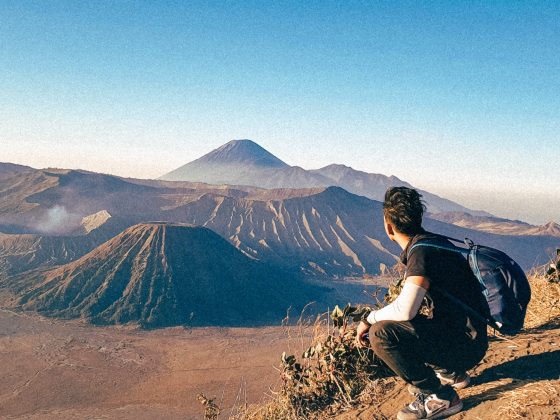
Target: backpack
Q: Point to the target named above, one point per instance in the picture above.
(503, 283)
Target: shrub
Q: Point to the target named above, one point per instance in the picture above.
(211, 409)
(553, 271)
(333, 372)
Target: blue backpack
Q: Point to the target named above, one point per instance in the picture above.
(503, 282)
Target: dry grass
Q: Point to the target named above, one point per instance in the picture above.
(520, 402)
(332, 375)
(545, 301)
(528, 399)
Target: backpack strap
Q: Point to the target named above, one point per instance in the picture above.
(470, 244)
(488, 321)
(446, 247)
(468, 253)
(465, 241)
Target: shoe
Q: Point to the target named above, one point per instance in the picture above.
(456, 380)
(444, 403)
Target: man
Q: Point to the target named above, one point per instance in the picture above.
(431, 351)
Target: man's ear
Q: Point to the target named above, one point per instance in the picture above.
(389, 230)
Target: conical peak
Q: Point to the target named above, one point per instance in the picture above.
(241, 142)
(151, 242)
(162, 274)
(243, 151)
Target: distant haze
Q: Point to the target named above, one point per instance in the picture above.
(536, 207)
(459, 99)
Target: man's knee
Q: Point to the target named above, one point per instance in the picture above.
(384, 332)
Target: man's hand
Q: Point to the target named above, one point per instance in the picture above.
(361, 332)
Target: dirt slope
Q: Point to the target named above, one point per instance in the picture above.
(518, 378)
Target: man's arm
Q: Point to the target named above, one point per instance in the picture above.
(403, 308)
(406, 305)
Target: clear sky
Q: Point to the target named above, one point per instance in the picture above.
(459, 98)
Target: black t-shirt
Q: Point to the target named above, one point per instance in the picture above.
(449, 271)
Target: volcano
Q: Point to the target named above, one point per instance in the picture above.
(163, 274)
(244, 162)
(245, 152)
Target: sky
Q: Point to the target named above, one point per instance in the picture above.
(458, 98)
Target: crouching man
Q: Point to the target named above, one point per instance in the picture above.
(431, 350)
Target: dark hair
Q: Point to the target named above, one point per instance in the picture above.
(404, 208)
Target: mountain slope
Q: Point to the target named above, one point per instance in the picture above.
(55, 201)
(243, 162)
(242, 152)
(161, 274)
(331, 232)
(374, 186)
(325, 231)
(8, 170)
(320, 231)
(23, 252)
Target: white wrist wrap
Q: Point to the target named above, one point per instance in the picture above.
(403, 308)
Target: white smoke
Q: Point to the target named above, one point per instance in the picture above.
(56, 220)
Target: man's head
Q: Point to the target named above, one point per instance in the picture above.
(402, 210)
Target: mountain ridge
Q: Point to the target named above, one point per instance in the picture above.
(497, 225)
(8, 169)
(222, 166)
(324, 231)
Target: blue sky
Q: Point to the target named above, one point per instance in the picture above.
(459, 98)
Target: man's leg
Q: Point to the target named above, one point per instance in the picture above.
(398, 344)
(424, 341)
(406, 352)
(456, 353)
